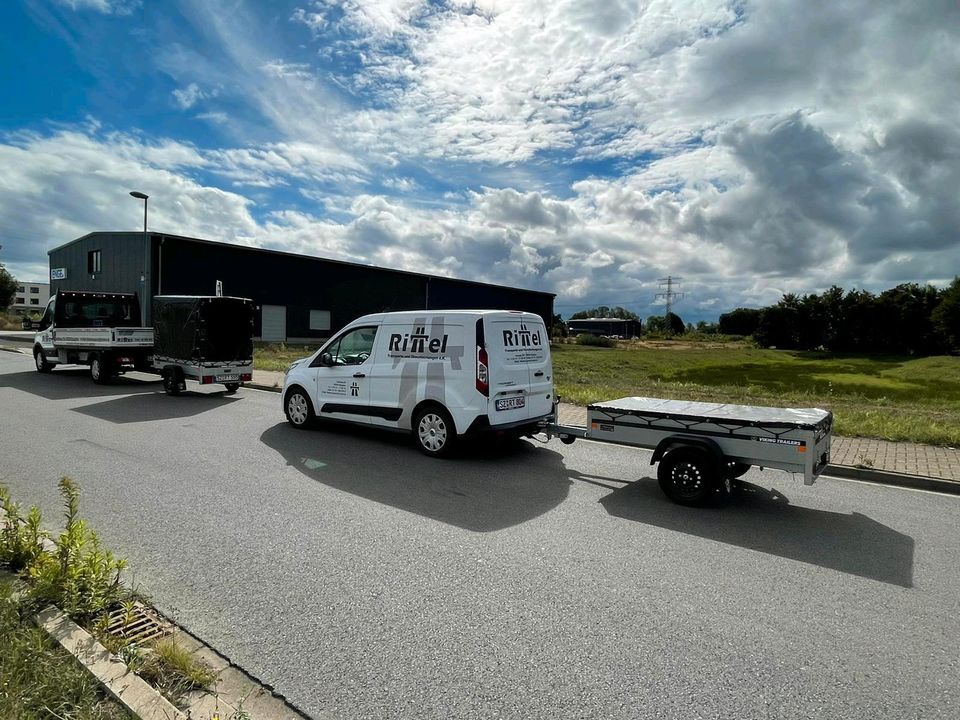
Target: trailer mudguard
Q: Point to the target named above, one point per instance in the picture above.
(668, 443)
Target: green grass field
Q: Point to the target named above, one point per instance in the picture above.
(278, 356)
(893, 398)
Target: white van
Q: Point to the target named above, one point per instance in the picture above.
(440, 374)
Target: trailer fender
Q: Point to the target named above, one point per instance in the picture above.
(675, 441)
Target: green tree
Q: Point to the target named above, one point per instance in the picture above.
(558, 328)
(675, 324)
(605, 312)
(8, 288)
(946, 316)
(742, 321)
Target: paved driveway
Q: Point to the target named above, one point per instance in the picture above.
(362, 579)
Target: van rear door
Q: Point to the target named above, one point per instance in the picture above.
(519, 367)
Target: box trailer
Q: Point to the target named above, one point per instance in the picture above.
(205, 338)
(702, 447)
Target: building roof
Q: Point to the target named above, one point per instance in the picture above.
(288, 254)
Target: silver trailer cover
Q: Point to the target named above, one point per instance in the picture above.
(746, 414)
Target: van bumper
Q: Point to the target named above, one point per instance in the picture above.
(481, 425)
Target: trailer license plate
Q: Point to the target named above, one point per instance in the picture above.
(227, 378)
(511, 403)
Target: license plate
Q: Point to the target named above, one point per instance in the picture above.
(511, 403)
(226, 378)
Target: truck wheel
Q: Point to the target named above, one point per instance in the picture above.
(232, 387)
(434, 431)
(688, 476)
(298, 409)
(99, 369)
(171, 381)
(41, 361)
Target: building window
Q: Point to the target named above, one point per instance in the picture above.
(93, 262)
(34, 301)
(319, 319)
(34, 291)
(20, 301)
(20, 289)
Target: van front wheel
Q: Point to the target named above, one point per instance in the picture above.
(434, 432)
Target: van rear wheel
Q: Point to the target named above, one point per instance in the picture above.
(100, 369)
(434, 431)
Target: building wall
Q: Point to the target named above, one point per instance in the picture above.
(605, 326)
(307, 288)
(30, 298)
(121, 264)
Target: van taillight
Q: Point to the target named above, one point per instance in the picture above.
(483, 380)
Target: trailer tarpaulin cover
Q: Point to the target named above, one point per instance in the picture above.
(718, 412)
(203, 329)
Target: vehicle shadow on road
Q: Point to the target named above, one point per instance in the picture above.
(487, 487)
(74, 383)
(764, 520)
(155, 406)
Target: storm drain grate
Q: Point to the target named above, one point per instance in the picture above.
(138, 624)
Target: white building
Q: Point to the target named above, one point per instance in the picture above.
(30, 298)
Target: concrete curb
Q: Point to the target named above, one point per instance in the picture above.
(268, 388)
(126, 687)
(883, 477)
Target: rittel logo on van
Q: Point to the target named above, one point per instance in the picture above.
(521, 338)
(417, 343)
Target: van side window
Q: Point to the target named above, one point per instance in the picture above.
(354, 347)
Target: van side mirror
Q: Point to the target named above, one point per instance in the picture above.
(326, 359)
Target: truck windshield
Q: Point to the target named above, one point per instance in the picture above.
(98, 312)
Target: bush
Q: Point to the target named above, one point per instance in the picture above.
(595, 341)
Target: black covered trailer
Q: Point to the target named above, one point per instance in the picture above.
(205, 338)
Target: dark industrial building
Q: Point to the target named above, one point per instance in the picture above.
(297, 297)
(605, 326)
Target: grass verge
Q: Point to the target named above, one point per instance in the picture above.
(278, 356)
(38, 679)
(892, 398)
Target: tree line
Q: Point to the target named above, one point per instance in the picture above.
(908, 319)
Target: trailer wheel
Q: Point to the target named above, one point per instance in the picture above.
(298, 409)
(688, 476)
(100, 369)
(171, 381)
(232, 387)
(41, 361)
(434, 431)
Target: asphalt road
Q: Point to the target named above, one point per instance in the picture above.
(364, 580)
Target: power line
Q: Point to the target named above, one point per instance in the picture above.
(670, 295)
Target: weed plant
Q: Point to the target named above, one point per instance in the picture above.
(21, 539)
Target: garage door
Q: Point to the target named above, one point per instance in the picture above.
(273, 323)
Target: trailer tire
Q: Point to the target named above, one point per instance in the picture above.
(171, 381)
(100, 370)
(434, 431)
(688, 476)
(232, 387)
(298, 408)
(41, 361)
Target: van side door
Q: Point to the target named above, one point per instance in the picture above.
(343, 389)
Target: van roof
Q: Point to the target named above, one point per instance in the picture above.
(413, 314)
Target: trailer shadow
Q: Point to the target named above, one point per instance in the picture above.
(155, 406)
(74, 383)
(764, 520)
(501, 486)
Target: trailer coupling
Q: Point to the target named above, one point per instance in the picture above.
(567, 434)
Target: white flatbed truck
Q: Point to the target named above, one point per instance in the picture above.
(96, 329)
(702, 447)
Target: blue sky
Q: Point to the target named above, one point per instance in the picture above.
(583, 148)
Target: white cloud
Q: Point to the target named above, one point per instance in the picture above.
(189, 96)
(107, 7)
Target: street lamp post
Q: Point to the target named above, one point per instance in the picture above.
(146, 253)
